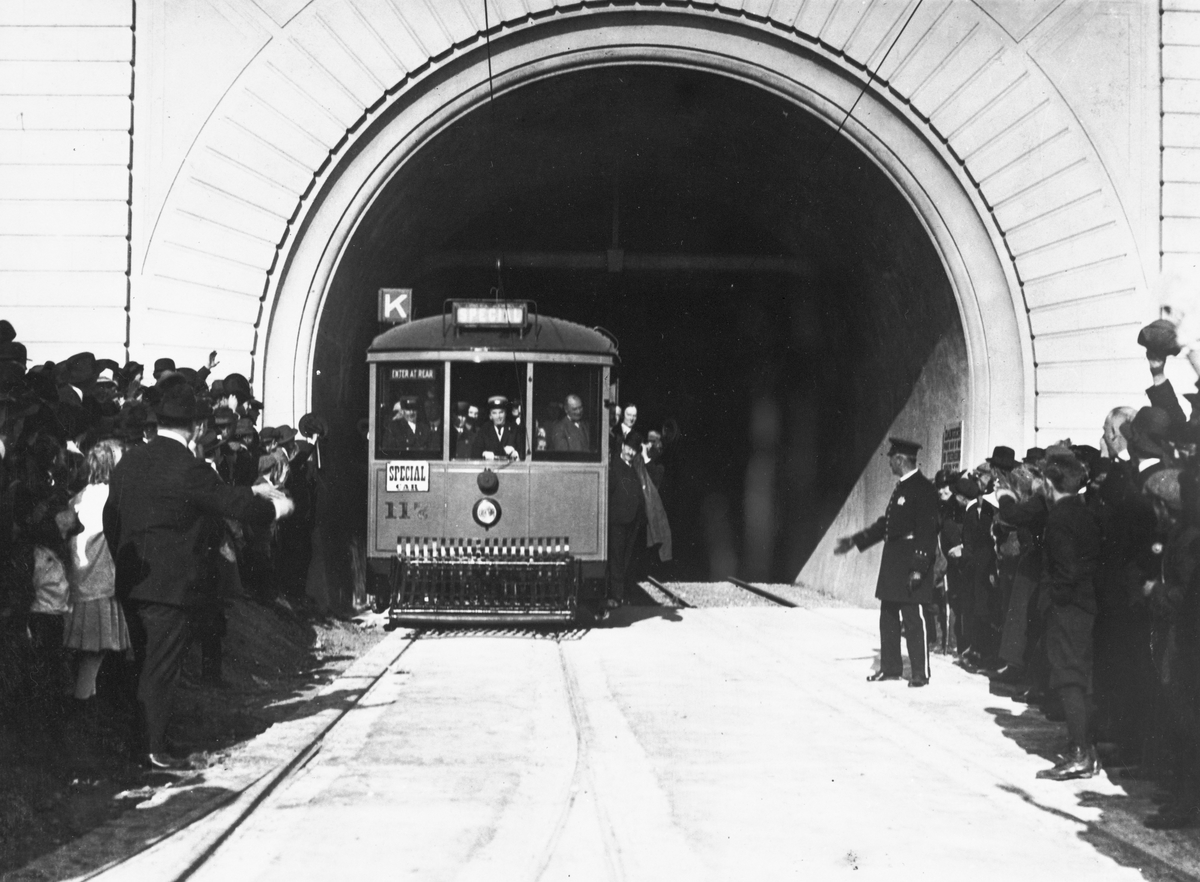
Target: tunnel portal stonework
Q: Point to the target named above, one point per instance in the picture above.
(1052, 282)
(1026, 138)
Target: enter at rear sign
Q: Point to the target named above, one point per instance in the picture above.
(408, 477)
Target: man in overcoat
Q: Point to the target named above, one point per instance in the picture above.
(163, 504)
(909, 532)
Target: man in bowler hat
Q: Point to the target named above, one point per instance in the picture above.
(909, 532)
(164, 505)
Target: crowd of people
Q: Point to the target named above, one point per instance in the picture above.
(114, 484)
(1071, 575)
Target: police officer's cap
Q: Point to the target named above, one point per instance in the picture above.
(408, 402)
(903, 447)
(497, 401)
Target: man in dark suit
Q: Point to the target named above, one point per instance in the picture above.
(1071, 550)
(497, 440)
(164, 505)
(626, 514)
(572, 433)
(909, 531)
(626, 419)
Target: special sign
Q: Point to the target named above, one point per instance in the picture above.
(408, 477)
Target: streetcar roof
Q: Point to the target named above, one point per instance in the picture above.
(544, 334)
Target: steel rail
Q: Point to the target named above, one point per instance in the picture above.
(761, 592)
(683, 604)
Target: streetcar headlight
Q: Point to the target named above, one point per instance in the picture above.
(486, 513)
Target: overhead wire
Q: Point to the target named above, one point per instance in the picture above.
(871, 75)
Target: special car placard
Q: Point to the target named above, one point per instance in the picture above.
(408, 476)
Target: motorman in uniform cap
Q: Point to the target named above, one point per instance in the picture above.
(909, 531)
(403, 433)
(497, 440)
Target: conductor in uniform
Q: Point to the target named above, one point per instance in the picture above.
(909, 532)
(403, 433)
(497, 440)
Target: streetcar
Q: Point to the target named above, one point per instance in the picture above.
(488, 469)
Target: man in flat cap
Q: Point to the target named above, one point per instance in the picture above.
(909, 532)
(497, 440)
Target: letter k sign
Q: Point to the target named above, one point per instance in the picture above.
(395, 305)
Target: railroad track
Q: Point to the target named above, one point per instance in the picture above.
(225, 820)
(763, 592)
(689, 595)
(676, 600)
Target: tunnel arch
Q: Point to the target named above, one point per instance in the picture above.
(1048, 277)
(998, 339)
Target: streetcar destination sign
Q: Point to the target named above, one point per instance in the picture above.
(408, 477)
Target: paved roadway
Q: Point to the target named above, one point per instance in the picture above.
(720, 744)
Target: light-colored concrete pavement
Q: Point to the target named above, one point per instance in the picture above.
(703, 744)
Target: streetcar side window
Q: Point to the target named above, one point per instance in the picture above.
(487, 410)
(409, 410)
(567, 414)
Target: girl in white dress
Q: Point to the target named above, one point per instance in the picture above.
(96, 624)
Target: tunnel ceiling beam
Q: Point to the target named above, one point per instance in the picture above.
(617, 260)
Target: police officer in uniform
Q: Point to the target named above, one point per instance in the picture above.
(909, 531)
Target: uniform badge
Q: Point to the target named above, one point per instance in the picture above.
(900, 501)
(1156, 548)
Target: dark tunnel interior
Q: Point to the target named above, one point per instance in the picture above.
(774, 293)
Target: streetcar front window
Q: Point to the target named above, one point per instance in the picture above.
(409, 411)
(487, 410)
(567, 413)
